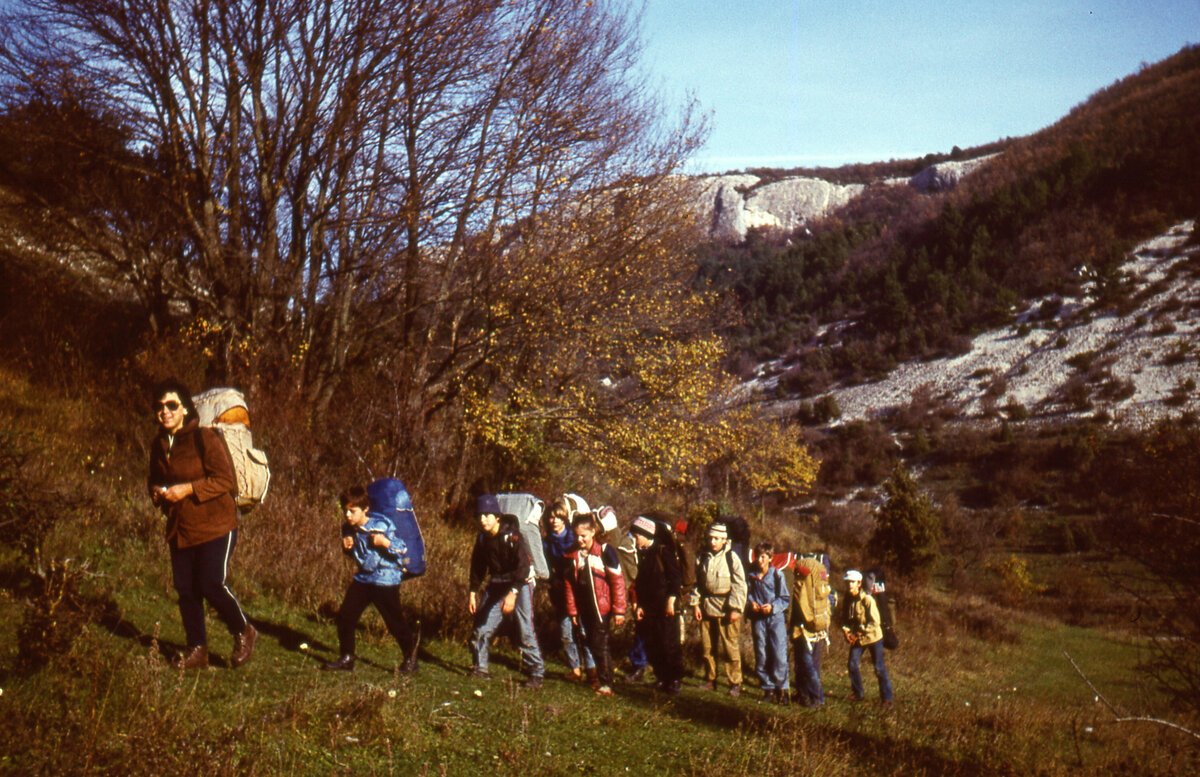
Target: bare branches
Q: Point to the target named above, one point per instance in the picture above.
(1118, 715)
(443, 194)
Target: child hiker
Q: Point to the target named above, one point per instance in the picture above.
(371, 540)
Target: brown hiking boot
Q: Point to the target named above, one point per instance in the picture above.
(243, 645)
(195, 658)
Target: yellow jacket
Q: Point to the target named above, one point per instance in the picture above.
(862, 619)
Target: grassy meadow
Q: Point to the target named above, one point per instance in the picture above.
(88, 624)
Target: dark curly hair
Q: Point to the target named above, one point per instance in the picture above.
(169, 386)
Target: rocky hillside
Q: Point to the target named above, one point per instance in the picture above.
(1133, 361)
(733, 204)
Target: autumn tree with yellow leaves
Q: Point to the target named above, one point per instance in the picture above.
(446, 223)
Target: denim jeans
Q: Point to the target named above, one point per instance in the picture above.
(856, 684)
(487, 619)
(574, 645)
(808, 670)
(770, 651)
(638, 656)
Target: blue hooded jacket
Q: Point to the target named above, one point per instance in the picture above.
(378, 566)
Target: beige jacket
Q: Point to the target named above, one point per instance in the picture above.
(862, 619)
(720, 584)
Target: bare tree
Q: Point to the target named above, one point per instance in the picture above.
(349, 183)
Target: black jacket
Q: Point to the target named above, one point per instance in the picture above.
(659, 575)
(502, 557)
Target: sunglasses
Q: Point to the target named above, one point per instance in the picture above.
(170, 404)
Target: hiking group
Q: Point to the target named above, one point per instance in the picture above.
(203, 470)
(599, 574)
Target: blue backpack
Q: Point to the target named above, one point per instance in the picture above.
(390, 499)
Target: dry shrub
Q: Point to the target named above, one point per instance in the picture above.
(970, 535)
(849, 525)
(925, 411)
(52, 621)
(981, 619)
(1080, 598)
(856, 453)
(291, 547)
(776, 750)
(1015, 584)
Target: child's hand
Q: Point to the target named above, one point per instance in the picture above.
(348, 543)
(380, 541)
(618, 618)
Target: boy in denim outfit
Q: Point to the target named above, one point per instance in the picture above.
(370, 538)
(767, 604)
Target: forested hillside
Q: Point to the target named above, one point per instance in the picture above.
(898, 275)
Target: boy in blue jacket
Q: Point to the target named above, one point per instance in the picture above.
(370, 538)
(768, 599)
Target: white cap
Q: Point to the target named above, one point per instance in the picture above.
(853, 576)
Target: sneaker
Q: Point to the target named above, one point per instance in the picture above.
(533, 683)
(636, 676)
(886, 704)
(574, 676)
(604, 690)
(735, 691)
(243, 645)
(769, 694)
(196, 657)
(853, 697)
(710, 685)
(343, 664)
(480, 674)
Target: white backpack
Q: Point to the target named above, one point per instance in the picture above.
(224, 409)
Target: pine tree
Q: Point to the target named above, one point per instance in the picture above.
(908, 530)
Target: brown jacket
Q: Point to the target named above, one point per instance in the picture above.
(210, 512)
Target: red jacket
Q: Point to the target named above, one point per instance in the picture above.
(595, 577)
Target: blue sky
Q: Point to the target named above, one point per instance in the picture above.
(825, 82)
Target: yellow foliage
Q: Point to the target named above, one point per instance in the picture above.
(601, 348)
